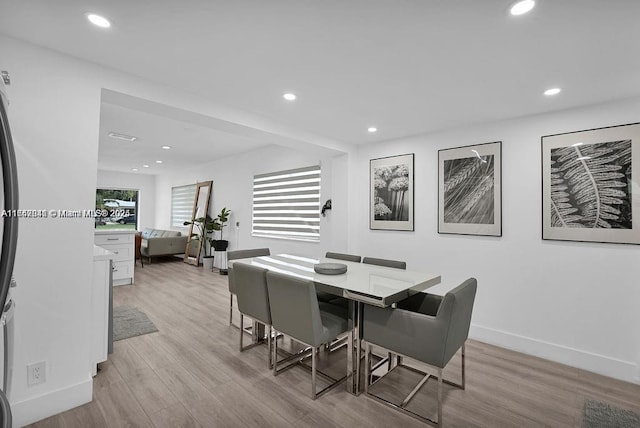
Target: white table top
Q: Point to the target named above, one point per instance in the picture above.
(376, 285)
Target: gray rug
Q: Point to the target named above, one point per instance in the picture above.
(129, 322)
(597, 414)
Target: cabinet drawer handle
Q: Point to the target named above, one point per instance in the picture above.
(113, 239)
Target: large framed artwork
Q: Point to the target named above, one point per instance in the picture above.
(470, 190)
(391, 193)
(590, 185)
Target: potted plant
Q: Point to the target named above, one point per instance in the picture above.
(221, 244)
(205, 226)
(218, 225)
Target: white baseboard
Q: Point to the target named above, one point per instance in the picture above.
(37, 408)
(607, 366)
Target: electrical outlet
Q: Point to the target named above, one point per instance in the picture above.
(36, 373)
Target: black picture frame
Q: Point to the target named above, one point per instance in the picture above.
(590, 187)
(391, 193)
(470, 190)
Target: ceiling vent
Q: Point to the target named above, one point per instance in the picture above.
(124, 137)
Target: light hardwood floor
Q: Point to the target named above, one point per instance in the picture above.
(190, 374)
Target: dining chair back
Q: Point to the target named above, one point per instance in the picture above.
(253, 299)
(295, 312)
(251, 292)
(385, 262)
(235, 255)
(294, 308)
(341, 256)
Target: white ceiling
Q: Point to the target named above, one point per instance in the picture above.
(189, 142)
(405, 66)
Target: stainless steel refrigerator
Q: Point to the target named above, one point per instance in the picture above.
(9, 237)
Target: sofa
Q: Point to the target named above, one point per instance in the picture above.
(157, 242)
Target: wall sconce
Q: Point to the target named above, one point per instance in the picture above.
(326, 206)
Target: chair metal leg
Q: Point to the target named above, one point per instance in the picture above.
(463, 369)
(314, 359)
(241, 332)
(403, 407)
(367, 367)
(415, 390)
(439, 421)
(231, 311)
(274, 356)
(269, 345)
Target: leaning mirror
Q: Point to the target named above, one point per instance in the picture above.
(200, 210)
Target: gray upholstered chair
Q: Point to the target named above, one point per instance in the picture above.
(384, 262)
(346, 257)
(295, 312)
(253, 299)
(427, 328)
(235, 255)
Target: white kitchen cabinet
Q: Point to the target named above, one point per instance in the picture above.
(122, 244)
(101, 307)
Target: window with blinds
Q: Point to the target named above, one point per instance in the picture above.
(182, 198)
(286, 204)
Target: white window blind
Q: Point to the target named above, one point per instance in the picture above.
(286, 204)
(182, 198)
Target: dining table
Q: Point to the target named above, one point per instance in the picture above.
(362, 284)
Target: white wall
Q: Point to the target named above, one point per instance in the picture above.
(144, 184)
(576, 303)
(233, 188)
(54, 114)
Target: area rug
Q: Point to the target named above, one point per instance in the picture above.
(597, 414)
(129, 322)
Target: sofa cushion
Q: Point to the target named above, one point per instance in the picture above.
(156, 233)
(146, 233)
(170, 233)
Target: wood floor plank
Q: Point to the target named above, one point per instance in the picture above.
(174, 416)
(151, 393)
(119, 407)
(191, 374)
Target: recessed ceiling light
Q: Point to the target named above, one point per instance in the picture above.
(166, 147)
(521, 7)
(158, 161)
(99, 21)
(552, 91)
(122, 136)
(145, 166)
(289, 96)
(372, 129)
(134, 169)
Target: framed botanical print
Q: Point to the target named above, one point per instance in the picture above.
(470, 190)
(391, 193)
(590, 185)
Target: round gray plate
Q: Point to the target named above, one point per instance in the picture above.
(330, 268)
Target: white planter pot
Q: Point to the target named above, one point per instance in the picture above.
(207, 263)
